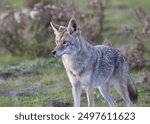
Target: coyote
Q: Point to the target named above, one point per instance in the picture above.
(92, 67)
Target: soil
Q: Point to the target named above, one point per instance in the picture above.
(7, 75)
(56, 103)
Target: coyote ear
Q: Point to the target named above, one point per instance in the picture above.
(55, 28)
(72, 26)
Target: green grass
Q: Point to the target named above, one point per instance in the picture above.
(130, 3)
(41, 81)
(18, 3)
(35, 90)
(51, 84)
(9, 60)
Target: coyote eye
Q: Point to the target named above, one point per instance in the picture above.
(64, 42)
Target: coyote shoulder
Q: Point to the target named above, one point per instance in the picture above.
(92, 67)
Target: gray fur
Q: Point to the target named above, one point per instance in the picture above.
(92, 67)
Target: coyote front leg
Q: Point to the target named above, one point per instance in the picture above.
(76, 88)
(90, 96)
(76, 92)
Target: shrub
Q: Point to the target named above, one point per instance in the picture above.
(27, 31)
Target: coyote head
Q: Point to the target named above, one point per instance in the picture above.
(66, 38)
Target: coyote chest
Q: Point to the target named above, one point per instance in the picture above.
(75, 66)
(78, 69)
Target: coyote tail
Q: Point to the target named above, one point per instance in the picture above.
(133, 93)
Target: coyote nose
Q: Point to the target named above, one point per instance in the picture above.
(53, 52)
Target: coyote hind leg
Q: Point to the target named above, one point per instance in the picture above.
(123, 91)
(104, 90)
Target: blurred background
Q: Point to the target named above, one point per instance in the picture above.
(31, 76)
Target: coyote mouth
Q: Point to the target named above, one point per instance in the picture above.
(59, 54)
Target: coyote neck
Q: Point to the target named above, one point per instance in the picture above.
(78, 62)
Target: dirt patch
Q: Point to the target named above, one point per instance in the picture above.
(14, 93)
(33, 73)
(7, 75)
(8, 93)
(56, 103)
(11, 93)
(10, 75)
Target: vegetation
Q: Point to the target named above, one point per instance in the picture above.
(30, 76)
